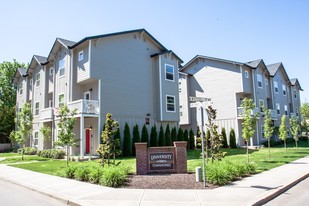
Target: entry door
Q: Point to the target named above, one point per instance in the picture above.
(87, 95)
(88, 133)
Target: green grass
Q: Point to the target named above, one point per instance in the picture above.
(10, 154)
(27, 158)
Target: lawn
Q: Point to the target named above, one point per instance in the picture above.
(10, 154)
(259, 157)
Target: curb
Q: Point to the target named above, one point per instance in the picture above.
(44, 192)
(266, 197)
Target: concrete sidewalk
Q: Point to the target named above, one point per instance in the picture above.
(254, 190)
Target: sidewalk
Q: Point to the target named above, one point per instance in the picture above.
(254, 190)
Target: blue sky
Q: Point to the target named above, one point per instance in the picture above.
(239, 30)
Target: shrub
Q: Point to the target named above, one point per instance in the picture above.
(174, 134)
(28, 151)
(145, 135)
(70, 172)
(180, 134)
(52, 153)
(217, 174)
(95, 175)
(113, 176)
(168, 138)
(118, 150)
(272, 143)
(127, 148)
(82, 173)
(186, 138)
(224, 139)
(198, 138)
(232, 139)
(191, 139)
(136, 138)
(154, 137)
(162, 141)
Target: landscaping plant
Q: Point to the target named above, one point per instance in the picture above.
(154, 136)
(191, 139)
(145, 135)
(224, 138)
(127, 148)
(136, 138)
(283, 130)
(294, 128)
(232, 139)
(168, 138)
(268, 127)
(161, 137)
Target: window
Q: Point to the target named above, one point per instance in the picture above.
(37, 108)
(246, 74)
(296, 111)
(259, 80)
(266, 82)
(261, 103)
(295, 94)
(37, 79)
(169, 72)
(179, 86)
(283, 89)
(87, 95)
(31, 82)
(51, 70)
(50, 103)
(21, 88)
(80, 55)
(170, 103)
(276, 87)
(61, 67)
(61, 100)
(180, 110)
(285, 109)
(36, 139)
(278, 108)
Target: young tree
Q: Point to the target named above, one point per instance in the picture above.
(304, 110)
(117, 151)
(45, 130)
(110, 140)
(186, 138)
(180, 134)
(127, 147)
(283, 130)
(154, 137)
(215, 137)
(174, 135)
(7, 98)
(161, 137)
(24, 127)
(224, 138)
(198, 138)
(294, 129)
(191, 139)
(232, 139)
(136, 138)
(268, 127)
(145, 135)
(168, 138)
(66, 136)
(249, 122)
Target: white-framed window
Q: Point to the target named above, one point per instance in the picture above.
(263, 132)
(61, 100)
(50, 103)
(36, 139)
(295, 94)
(51, 70)
(21, 88)
(259, 80)
(261, 104)
(180, 110)
(169, 72)
(81, 55)
(61, 67)
(283, 89)
(87, 95)
(170, 103)
(37, 79)
(278, 108)
(31, 83)
(266, 81)
(276, 87)
(246, 74)
(37, 108)
(286, 109)
(296, 111)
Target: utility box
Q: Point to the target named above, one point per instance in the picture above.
(198, 174)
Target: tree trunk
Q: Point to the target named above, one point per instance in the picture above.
(285, 145)
(247, 152)
(269, 148)
(296, 144)
(67, 156)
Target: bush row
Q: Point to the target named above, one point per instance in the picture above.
(52, 153)
(110, 176)
(28, 151)
(223, 172)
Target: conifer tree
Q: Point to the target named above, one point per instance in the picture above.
(180, 136)
(127, 147)
(186, 138)
(161, 137)
(136, 138)
(145, 136)
(154, 137)
(232, 139)
(174, 135)
(224, 138)
(191, 139)
(168, 138)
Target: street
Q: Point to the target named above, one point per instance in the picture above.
(297, 195)
(12, 195)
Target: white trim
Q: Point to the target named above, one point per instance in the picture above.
(85, 93)
(261, 100)
(89, 56)
(36, 109)
(36, 80)
(259, 79)
(81, 55)
(284, 89)
(276, 86)
(168, 95)
(286, 110)
(35, 132)
(160, 79)
(169, 72)
(62, 68)
(99, 117)
(278, 108)
(59, 99)
(246, 73)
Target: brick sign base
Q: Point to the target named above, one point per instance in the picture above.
(161, 159)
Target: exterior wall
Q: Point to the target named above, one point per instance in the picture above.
(21, 98)
(82, 66)
(184, 99)
(247, 80)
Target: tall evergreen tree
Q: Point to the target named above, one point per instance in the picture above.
(224, 138)
(154, 137)
(168, 138)
(161, 137)
(191, 139)
(145, 136)
(127, 146)
(180, 134)
(186, 138)
(136, 138)
(174, 135)
(117, 144)
(232, 139)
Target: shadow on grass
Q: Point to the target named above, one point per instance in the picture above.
(197, 153)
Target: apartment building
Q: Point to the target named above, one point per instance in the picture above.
(128, 74)
(227, 83)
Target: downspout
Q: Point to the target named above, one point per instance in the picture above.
(254, 99)
(160, 82)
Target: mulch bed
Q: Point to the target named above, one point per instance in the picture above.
(165, 181)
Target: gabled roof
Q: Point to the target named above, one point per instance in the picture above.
(274, 68)
(66, 43)
(60, 42)
(208, 58)
(254, 64)
(167, 52)
(36, 59)
(20, 72)
(295, 82)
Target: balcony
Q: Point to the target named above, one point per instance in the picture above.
(46, 114)
(241, 112)
(85, 106)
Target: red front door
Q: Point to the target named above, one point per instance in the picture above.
(87, 141)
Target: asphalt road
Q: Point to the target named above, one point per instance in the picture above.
(12, 195)
(297, 195)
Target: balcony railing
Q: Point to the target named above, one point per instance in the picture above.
(241, 111)
(46, 114)
(85, 106)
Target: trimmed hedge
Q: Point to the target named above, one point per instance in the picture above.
(52, 153)
(28, 151)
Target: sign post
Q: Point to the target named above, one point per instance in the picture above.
(200, 102)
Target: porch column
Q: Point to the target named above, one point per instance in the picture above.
(82, 137)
